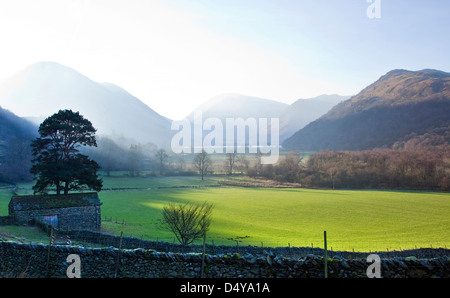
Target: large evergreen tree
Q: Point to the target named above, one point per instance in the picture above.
(57, 160)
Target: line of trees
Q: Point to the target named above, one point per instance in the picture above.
(67, 139)
(420, 168)
(16, 135)
(15, 160)
(381, 168)
(136, 159)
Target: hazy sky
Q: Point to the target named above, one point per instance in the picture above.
(176, 54)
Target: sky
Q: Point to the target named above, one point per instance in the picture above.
(176, 54)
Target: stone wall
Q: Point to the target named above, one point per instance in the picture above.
(72, 218)
(74, 211)
(31, 260)
(105, 239)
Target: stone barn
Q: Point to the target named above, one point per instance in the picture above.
(77, 211)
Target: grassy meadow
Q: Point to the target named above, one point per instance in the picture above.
(354, 220)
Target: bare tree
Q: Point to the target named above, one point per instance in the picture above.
(162, 157)
(242, 163)
(202, 163)
(135, 159)
(181, 163)
(230, 161)
(188, 221)
(258, 164)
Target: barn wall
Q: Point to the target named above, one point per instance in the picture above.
(73, 218)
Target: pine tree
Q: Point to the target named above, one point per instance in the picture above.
(57, 160)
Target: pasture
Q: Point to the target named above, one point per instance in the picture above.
(360, 220)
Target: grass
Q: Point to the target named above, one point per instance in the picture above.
(5, 196)
(123, 182)
(368, 220)
(23, 234)
(360, 220)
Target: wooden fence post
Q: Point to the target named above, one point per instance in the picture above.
(118, 255)
(326, 256)
(48, 254)
(203, 255)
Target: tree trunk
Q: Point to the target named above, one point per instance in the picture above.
(66, 188)
(202, 169)
(58, 188)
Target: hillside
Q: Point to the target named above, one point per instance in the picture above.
(235, 106)
(304, 111)
(232, 105)
(12, 126)
(43, 88)
(292, 117)
(16, 135)
(400, 105)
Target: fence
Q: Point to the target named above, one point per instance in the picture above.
(35, 260)
(366, 246)
(28, 260)
(122, 256)
(101, 239)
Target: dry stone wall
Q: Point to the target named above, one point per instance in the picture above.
(31, 260)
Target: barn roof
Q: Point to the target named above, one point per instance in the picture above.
(33, 202)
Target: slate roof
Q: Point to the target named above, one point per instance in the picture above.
(32, 202)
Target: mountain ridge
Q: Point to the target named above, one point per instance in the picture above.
(292, 117)
(43, 88)
(399, 103)
(305, 110)
(234, 105)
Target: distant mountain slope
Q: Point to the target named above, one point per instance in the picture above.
(43, 88)
(232, 105)
(292, 117)
(16, 135)
(303, 111)
(399, 105)
(12, 125)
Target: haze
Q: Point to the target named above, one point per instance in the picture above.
(174, 55)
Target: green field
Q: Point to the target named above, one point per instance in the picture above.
(354, 220)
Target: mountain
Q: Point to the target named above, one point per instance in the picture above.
(41, 89)
(303, 111)
(292, 117)
(400, 105)
(232, 105)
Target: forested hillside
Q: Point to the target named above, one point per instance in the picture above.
(16, 135)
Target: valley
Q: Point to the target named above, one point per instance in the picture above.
(355, 220)
(271, 139)
(366, 200)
